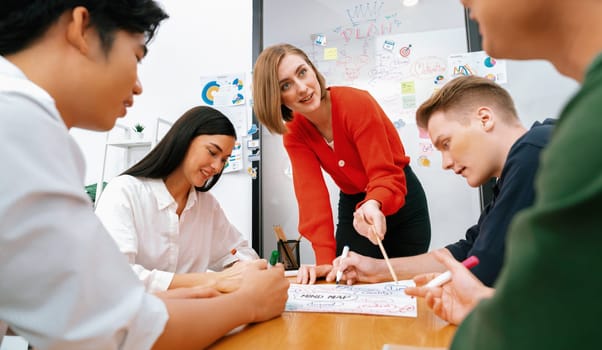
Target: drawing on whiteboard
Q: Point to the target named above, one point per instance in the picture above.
(426, 67)
(365, 12)
(374, 299)
(389, 45)
(405, 51)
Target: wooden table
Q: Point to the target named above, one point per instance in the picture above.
(316, 331)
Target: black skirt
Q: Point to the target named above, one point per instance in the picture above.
(408, 230)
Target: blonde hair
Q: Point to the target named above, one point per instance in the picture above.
(267, 103)
(464, 93)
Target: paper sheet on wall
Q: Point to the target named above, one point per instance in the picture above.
(235, 161)
(372, 299)
(238, 117)
(477, 63)
(223, 90)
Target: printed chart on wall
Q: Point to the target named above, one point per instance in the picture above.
(227, 93)
(235, 161)
(226, 90)
(478, 63)
(238, 117)
(372, 299)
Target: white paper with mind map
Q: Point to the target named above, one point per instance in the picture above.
(373, 299)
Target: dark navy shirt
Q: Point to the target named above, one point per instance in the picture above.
(513, 191)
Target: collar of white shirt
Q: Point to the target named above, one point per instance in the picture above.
(12, 79)
(165, 199)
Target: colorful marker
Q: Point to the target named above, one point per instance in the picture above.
(343, 256)
(443, 278)
(274, 258)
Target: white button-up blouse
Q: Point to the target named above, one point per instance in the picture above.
(140, 214)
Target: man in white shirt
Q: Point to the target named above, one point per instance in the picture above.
(65, 285)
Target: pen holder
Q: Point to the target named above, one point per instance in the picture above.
(289, 254)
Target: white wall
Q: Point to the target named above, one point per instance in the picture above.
(201, 38)
(538, 90)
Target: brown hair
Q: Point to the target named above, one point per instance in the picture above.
(267, 103)
(464, 93)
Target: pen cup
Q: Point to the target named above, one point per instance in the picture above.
(289, 254)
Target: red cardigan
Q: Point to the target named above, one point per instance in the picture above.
(368, 157)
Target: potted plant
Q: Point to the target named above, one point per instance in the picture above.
(139, 130)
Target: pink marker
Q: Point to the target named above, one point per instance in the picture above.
(443, 278)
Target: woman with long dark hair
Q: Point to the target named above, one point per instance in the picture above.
(162, 216)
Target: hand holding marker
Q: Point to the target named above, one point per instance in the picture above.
(445, 277)
(343, 256)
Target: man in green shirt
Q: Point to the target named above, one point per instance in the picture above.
(547, 296)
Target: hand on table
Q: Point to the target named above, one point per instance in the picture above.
(308, 274)
(230, 279)
(456, 298)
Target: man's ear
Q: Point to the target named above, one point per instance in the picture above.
(77, 33)
(486, 116)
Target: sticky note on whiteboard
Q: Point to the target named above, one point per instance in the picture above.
(408, 101)
(331, 53)
(408, 87)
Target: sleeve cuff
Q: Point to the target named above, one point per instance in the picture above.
(324, 254)
(457, 253)
(161, 281)
(148, 325)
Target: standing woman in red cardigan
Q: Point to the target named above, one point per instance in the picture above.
(344, 131)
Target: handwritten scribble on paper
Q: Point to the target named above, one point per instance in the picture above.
(374, 299)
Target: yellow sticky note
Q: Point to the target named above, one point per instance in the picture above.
(331, 53)
(408, 87)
